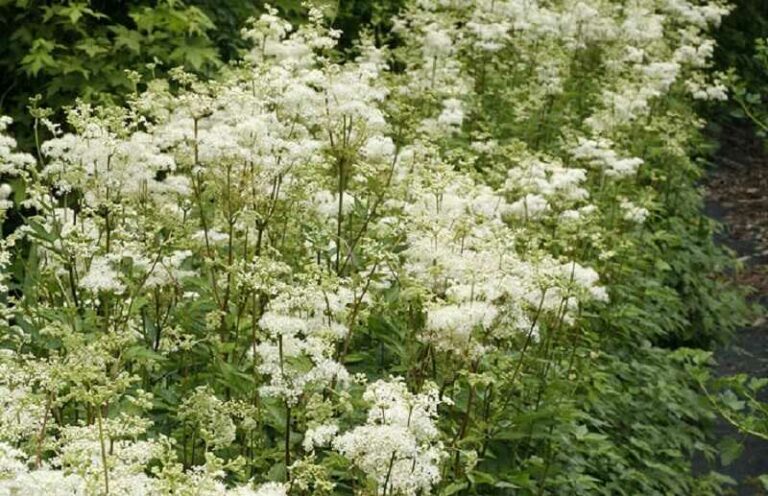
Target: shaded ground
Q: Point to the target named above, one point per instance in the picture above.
(737, 195)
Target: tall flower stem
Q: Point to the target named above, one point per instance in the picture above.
(103, 450)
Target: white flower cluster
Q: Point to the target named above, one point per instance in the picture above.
(127, 471)
(12, 162)
(460, 247)
(399, 445)
(304, 324)
(23, 412)
(599, 154)
(101, 276)
(634, 213)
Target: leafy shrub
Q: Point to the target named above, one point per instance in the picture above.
(447, 265)
(68, 49)
(741, 50)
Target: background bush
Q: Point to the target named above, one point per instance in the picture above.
(76, 49)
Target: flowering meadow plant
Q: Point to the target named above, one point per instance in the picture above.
(440, 266)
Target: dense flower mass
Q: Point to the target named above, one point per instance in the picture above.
(399, 445)
(317, 275)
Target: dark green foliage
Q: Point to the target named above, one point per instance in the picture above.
(742, 52)
(736, 40)
(68, 49)
(351, 16)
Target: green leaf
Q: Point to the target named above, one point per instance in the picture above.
(195, 53)
(39, 57)
(127, 39)
(74, 12)
(730, 450)
(478, 477)
(277, 472)
(730, 400)
(454, 488)
(91, 47)
(763, 479)
(231, 376)
(143, 354)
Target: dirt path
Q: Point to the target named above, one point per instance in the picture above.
(737, 196)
